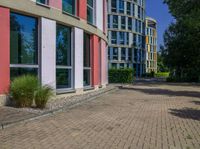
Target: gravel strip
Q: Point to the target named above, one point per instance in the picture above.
(65, 102)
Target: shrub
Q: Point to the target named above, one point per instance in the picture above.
(42, 95)
(162, 74)
(22, 90)
(121, 75)
(150, 75)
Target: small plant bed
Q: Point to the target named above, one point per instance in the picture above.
(28, 95)
(27, 90)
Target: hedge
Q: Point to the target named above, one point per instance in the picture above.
(121, 75)
(162, 74)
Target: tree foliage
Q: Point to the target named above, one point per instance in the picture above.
(182, 40)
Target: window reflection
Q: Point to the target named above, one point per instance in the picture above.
(23, 45)
(87, 65)
(63, 57)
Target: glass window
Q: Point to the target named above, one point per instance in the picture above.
(127, 38)
(63, 57)
(133, 10)
(90, 11)
(45, 2)
(69, 6)
(113, 37)
(123, 22)
(139, 12)
(23, 45)
(121, 6)
(128, 9)
(109, 49)
(134, 39)
(115, 53)
(135, 55)
(87, 60)
(130, 23)
(108, 21)
(114, 65)
(115, 21)
(130, 54)
(122, 38)
(122, 66)
(123, 54)
(114, 5)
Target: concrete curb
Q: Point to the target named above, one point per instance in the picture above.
(55, 111)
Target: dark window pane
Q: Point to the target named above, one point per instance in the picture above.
(90, 15)
(43, 1)
(121, 6)
(69, 6)
(63, 46)
(115, 53)
(123, 54)
(86, 50)
(114, 6)
(86, 77)
(63, 78)
(90, 3)
(15, 72)
(23, 39)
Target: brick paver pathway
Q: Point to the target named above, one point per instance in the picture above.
(136, 117)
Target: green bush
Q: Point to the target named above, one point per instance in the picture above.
(121, 75)
(42, 95)
(22, 90)
(162, 74)
(149, 75)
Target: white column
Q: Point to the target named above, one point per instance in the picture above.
(99, 14)
(104, 63)
(48, 52)
(78, 47)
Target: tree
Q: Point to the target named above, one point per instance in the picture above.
(160, 61)
(182, 40)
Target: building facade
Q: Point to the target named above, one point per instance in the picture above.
(63, 42)
(151, 45)
(126, 35)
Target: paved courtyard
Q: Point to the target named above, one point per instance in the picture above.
(143, 116)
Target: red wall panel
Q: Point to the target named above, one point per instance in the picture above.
(95, 61)
(56, 4)
(4, 50)
(82, 9)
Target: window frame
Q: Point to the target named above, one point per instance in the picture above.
(93, 12)
(63, 67)
(90, 60)
(75, 9)
(33, 66)
(46, 2)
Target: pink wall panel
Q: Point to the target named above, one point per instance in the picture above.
(104, 63)
(4, 50)
(105, 16)
(95, 60)
(56, 3)
(82, 9)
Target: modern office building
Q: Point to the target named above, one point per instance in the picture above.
(63, 42)
(126, 35)
(151, 45)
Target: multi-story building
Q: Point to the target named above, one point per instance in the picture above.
(126, 34)
(63, 42)
(151, 45)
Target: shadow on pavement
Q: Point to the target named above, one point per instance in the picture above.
(186, 113)
(164, 92)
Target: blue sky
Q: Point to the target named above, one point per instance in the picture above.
(159, 11)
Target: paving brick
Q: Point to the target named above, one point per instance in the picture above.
(143, 116)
